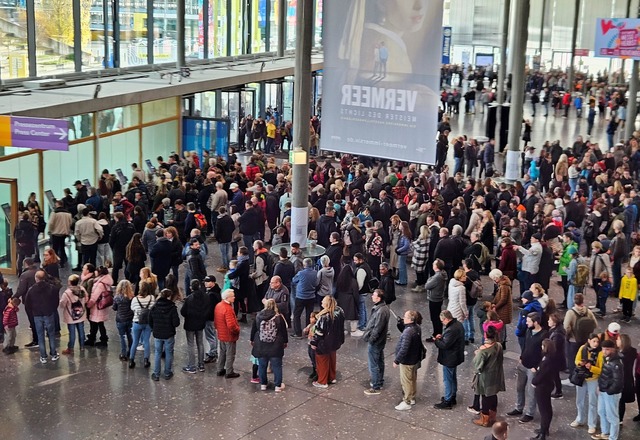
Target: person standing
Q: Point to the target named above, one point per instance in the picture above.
(60, 222)
(195, 311)
(543, 381)
(73, 302)
(141, 307)
(88, 233)
(610, 385)
(163, 319)
(375, 334)
(450, 354)
(408, 356)
(530, 262)
(120, 236)
(42, 300)
(327, 339)
(502, 303)
(629, 355)
(488, 368)
(529, 361)
(269, 338)
(304, 286)
(228, 329)
(435, 287)
(589, 358)
(363, 272)
(98, 316)
(213, 292)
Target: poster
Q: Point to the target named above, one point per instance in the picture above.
(618, 38)
(446, 45)
(381, 78)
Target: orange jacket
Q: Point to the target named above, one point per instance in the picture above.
(224, 319)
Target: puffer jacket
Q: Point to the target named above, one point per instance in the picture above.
(451, 345)
(226, 322)
(409, 348)
(502, 300)
(329, 334)
(122, 306)
(101, 285)
(196, 311)
(163, 319)
(531, 306)
(611, 380)
(269, 349)
(457, 300)
(435, 286)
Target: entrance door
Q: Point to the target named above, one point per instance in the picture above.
(236, 104)
(8, 221)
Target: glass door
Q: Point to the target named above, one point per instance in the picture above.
(8, 221)
(236, 104)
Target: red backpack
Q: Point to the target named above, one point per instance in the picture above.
(201, 221)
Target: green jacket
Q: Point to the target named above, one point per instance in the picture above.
(565, 259)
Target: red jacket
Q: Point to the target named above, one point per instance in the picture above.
(252, 170)
(224, 319)
(10, 317)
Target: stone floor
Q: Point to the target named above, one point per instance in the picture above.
(93, 395)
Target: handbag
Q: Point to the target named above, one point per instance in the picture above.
(579, 375)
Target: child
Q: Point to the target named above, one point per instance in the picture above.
(309, 332)
(603, 290)
(628, 292)
(493, 320)
(5, 296)
(481, 313)
(255, 378)
(10, 322)
(230, 283)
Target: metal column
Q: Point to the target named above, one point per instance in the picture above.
(521, 31)
(302, 115)
(151, 27)
(31, 37)
(632, 104)
(502, 70)
(180, 23)
(116, 33)
(77, 37)
(544, 10)
(574, 38)
(282, 27)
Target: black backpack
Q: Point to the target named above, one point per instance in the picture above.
(268, 263)
(143, 315)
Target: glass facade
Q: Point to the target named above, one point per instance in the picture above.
(124, 33)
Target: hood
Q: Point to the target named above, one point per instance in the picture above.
(543, 300)
(105, 279)
(163, 305)
(77, 291)
(265, 315)
(103, 222)
(580, 310)
(325, 219)
(329, 270)
(455, 283)
(61, 210)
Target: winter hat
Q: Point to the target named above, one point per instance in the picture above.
(528, 295)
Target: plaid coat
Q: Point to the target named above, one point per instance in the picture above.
(420, 255)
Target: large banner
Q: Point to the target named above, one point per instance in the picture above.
(381, 78)
(618, 38)
(446, 45)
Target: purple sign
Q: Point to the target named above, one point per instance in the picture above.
(40, 133)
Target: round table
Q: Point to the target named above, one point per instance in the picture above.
(307, 252)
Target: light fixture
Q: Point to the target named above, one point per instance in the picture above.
(299, 157)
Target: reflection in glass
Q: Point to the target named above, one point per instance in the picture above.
(80, 126)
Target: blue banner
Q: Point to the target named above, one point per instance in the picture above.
(446, 45)
(204, 134)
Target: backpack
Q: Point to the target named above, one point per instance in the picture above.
(581, 277)
(477, 290)
(143, 315)
(374, 283)
(268, 263)
(583, 327)
(201, 221)
(168, 215)
(268, 330)
(346, 238)
(588, 228)
(484, 255)
(76, 309)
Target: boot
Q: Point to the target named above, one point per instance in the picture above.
(492, 417)
(482, 421)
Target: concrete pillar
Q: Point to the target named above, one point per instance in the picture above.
(180, 24)
(282, 27)
(301, 117)
(544, 8)
(574, 38)
(632, 104)
(521, 31)
(502, 70)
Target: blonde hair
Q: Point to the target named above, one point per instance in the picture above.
(329, 309)
(538, 288)
(125, 289)
(270, 304)
(458, 274)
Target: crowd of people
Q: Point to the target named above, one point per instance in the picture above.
(575, 214)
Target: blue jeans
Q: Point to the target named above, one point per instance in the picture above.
(248, 242)
(402, 269)
(609, 414)
(376, 365)
(362, 312)
(140, 331)
(573, 183)
(457, 164)
(225, 248)
(590, 388)
(469, 324)
(161, 345)
(276, 367)
(46, 323)
(526, 279)
(210, 336)
(571, 295)
(450, 382)
(79, 327)
(124, 330)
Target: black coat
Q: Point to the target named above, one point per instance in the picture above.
(160, 256)
(409, 348)
(286, 271)
(388, 286)
(196, 311)
(347, 293)
(329, 334)
(250, 222)
(224, 228)
(324, 227)
(247, 287)
(163, 319)
(334, 252)
(269, 349)
(451, 345)
(214, 298)
(121, 235)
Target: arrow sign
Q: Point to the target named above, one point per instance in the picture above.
(37, 133)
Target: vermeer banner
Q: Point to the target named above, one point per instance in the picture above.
(381, 78)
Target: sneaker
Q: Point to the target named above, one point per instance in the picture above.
(155, 377)
(515, 412)
(189, 370)
(168, 376)
(210, 359)
(232, 375)
(255, 380)
(576, 424)
(201, 368)
(443, 405)
(525, 419)
(320, 385)
(31, 344)
(472, 410)
(556, 396)
(123, 357)
(403, 406)
(55, 357)
(413, 401)
(280, 388)
(371, 392)
(600, 436)
(262, 387)
(43, 360)
(591, 431)
(334, 381)
(221, 373)
(140, 347)
(357, 333)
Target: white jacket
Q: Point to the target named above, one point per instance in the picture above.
(457, 300)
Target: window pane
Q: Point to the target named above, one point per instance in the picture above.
(192, 28)
(118, 151)
(291, 24)
(62, 168)
(318, 27)
(258, 22)
(157, 110)
(133, 32)
(54, 24)
(14, 62)
(80, 126)
(237, 26)
(117, 119)
(25, 169)
(164, 28)
(159, 140)
(273, 23)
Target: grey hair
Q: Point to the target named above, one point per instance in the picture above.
(325, 260)
(227, 293)
(307, 262)
(456, 230)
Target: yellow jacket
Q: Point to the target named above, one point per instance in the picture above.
(595, 369)
(271, 130)
(628, 288)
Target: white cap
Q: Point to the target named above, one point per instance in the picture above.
(614, 328)
(233, 186)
